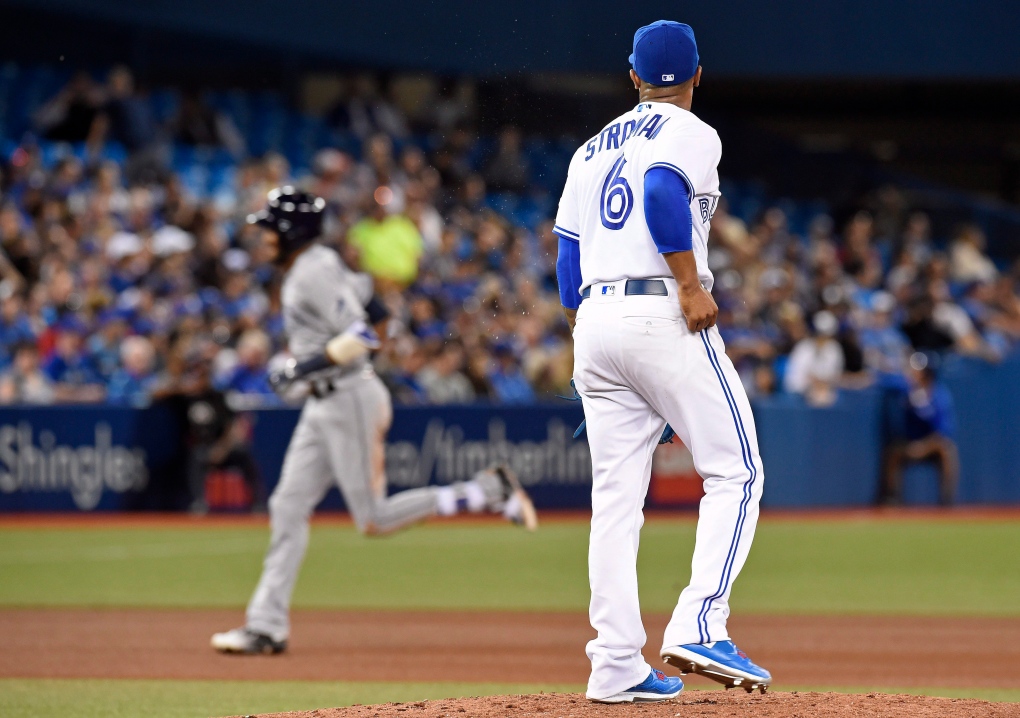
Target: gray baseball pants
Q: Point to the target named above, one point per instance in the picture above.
(339, 439)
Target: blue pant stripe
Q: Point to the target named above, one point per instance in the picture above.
(702, 614)
(734, 541)
(745, 449)
(745, 453)
(748, 459)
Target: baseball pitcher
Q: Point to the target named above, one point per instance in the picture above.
(328, 310)
(634, 281)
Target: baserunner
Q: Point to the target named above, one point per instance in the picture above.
(329, 314)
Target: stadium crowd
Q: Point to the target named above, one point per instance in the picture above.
(120, 284)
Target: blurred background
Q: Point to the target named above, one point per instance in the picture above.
(865, 250)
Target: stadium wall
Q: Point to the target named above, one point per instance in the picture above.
(107, 459)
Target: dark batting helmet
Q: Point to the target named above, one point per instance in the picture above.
(294, 215)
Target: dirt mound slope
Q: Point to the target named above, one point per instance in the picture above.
(692, 704)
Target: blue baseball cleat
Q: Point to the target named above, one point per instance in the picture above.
(721, 661)
(657, 687)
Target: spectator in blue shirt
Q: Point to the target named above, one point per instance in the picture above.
(425, 322)
(926, 433)
(886, 348)
(15, 328)
(75, 377)
(104, 347)
(508, 381)
(127, 118)
(250, 375)
(132, 384)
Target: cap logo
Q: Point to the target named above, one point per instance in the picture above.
(667, 78)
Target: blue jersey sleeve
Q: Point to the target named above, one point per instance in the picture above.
(668, 210)
(568, 272)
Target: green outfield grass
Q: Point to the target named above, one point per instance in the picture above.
(842, 566)
(21, 698)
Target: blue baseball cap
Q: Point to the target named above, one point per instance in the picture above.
(665, 53)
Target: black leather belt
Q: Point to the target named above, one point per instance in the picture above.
(652, 287)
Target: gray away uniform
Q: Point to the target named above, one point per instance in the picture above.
(339, 438)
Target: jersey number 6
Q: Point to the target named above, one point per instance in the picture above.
(617, 199)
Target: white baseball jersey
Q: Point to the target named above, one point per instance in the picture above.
(602, 206)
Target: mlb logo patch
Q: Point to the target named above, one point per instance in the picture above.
(609, 291)
(667, 78)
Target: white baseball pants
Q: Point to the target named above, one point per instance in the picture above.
(637, 366)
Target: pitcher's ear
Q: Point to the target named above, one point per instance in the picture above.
(635, 79)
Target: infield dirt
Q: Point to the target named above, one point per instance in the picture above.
(520, 647)
(696, 704)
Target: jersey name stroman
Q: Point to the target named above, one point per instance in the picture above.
(602, 203)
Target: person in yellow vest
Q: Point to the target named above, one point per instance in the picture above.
(390, 245)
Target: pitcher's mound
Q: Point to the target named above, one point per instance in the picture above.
(699, 704)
